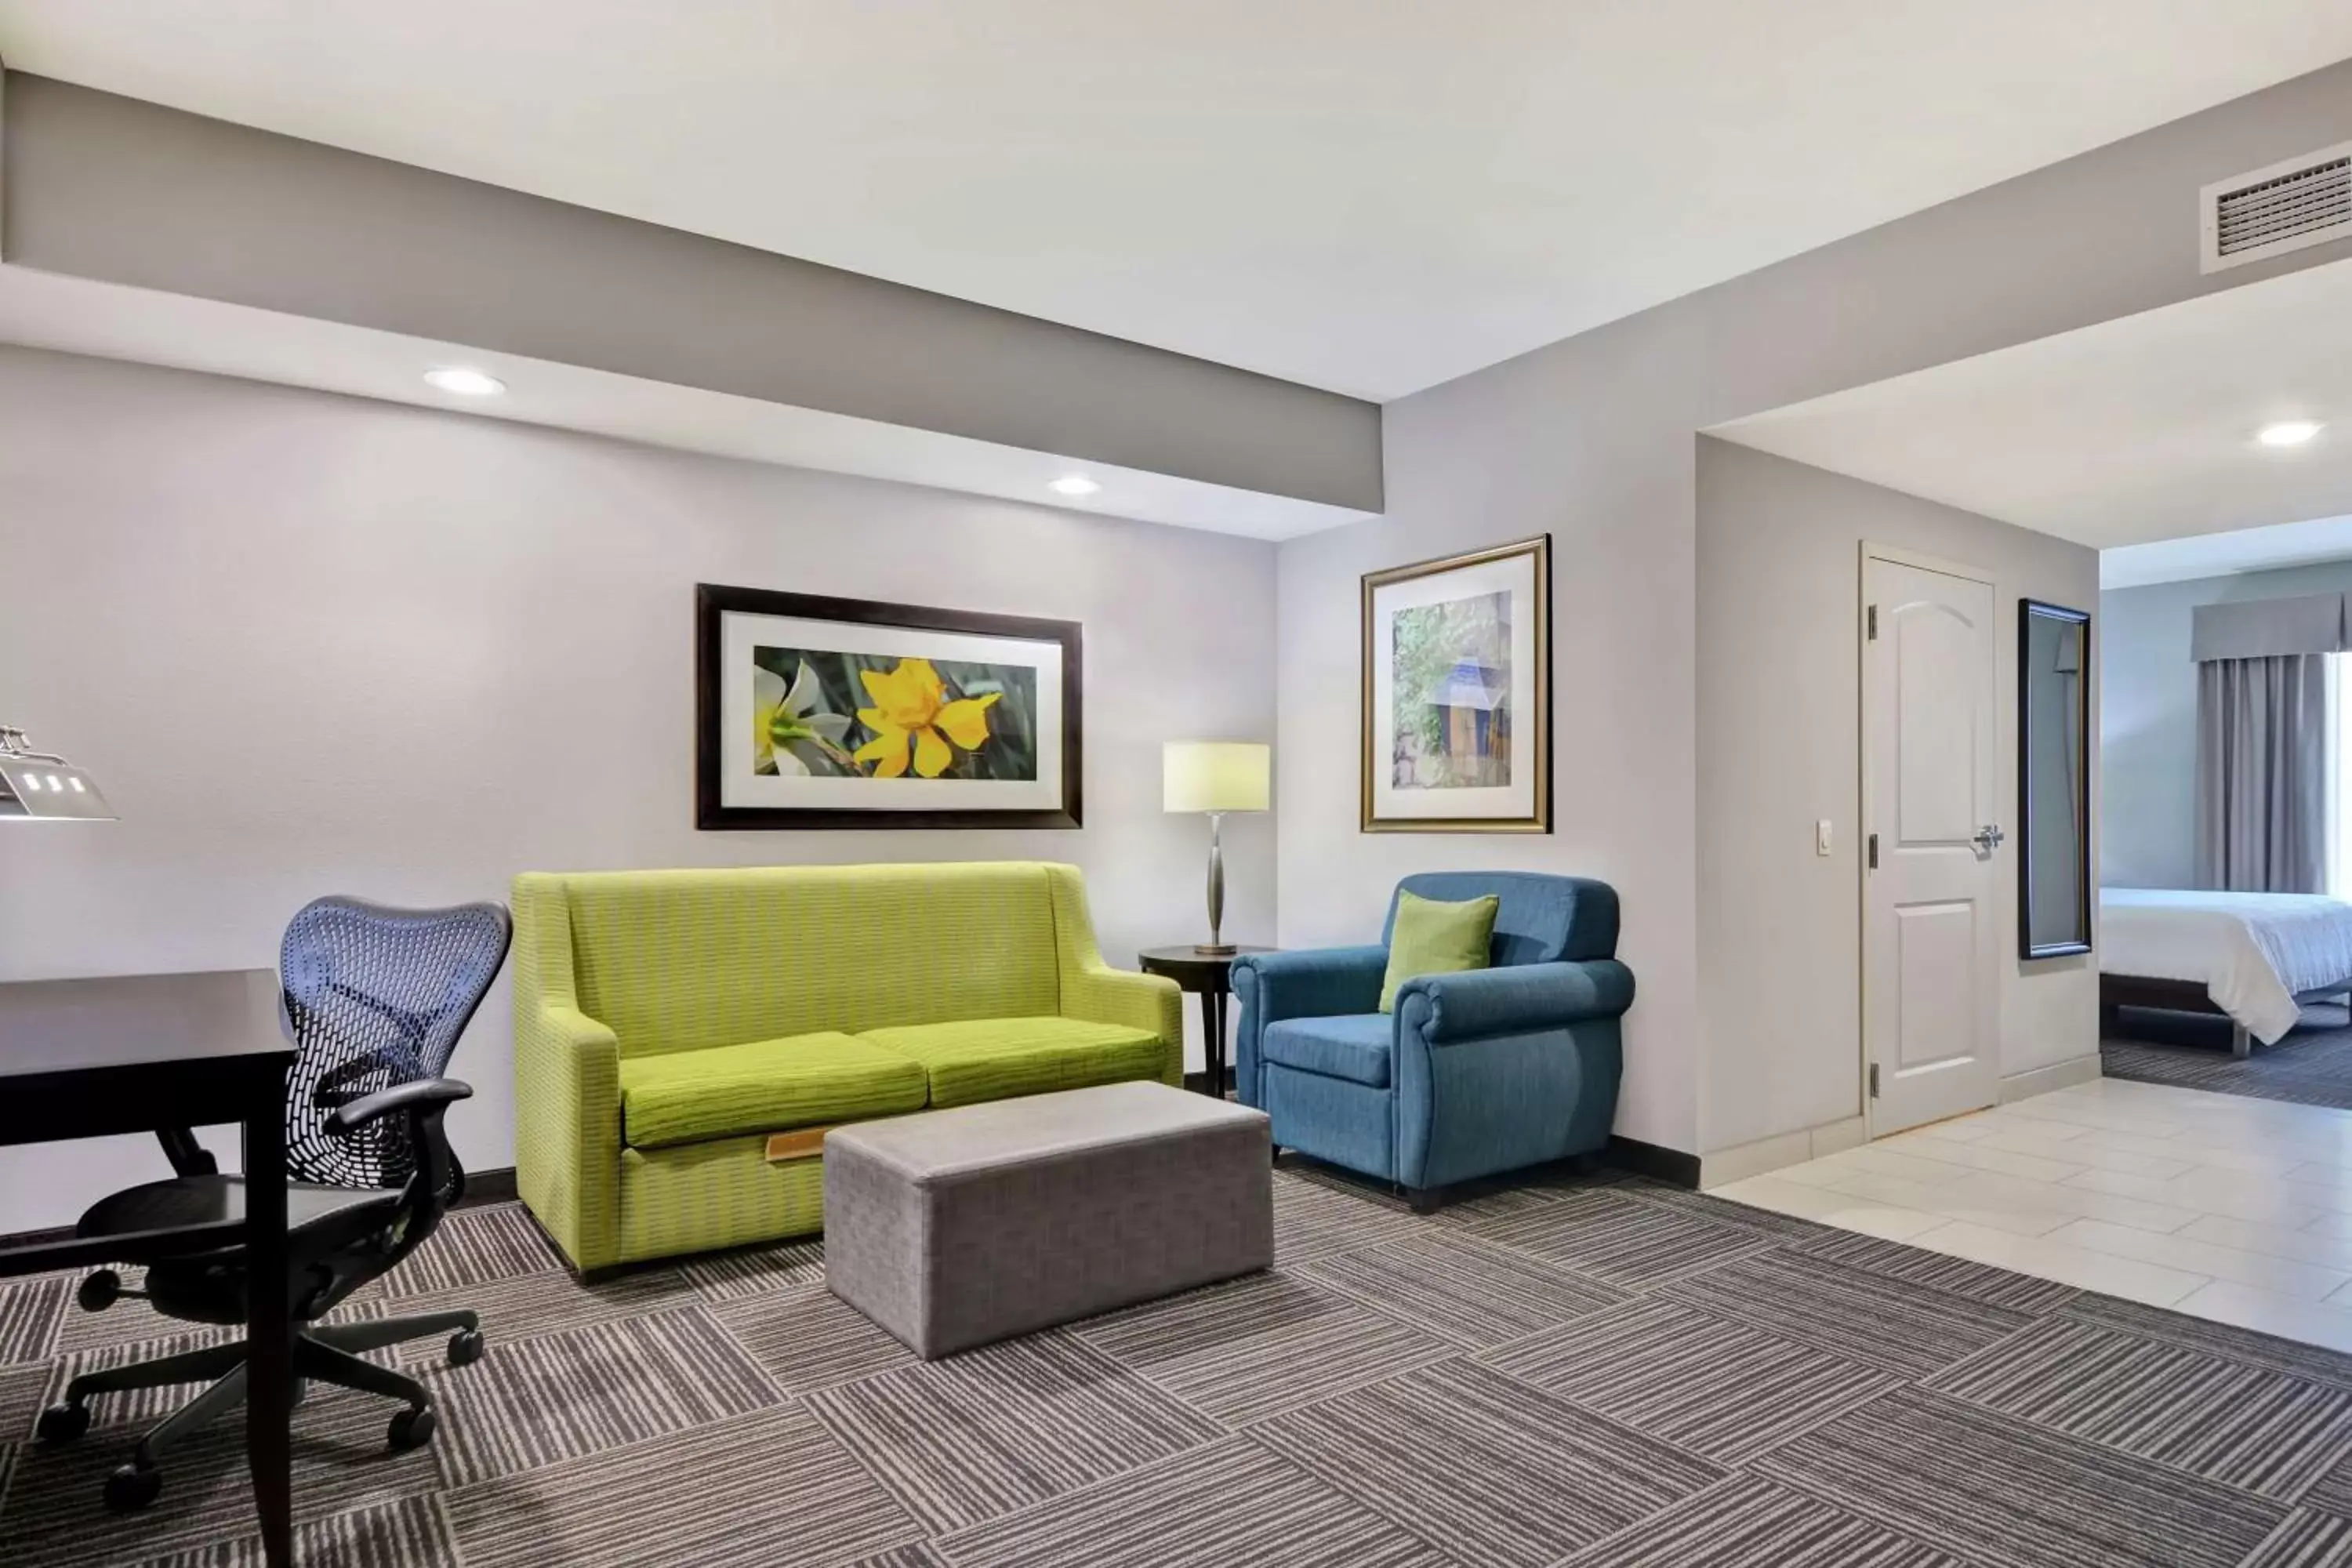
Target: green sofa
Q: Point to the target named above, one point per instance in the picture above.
(668, 1022)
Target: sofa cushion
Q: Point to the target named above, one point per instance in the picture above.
(1355, 1046)
(996, 1058)
(766, 1086)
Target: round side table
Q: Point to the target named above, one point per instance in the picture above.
(1210, 976)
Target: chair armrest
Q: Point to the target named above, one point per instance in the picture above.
(1101, 995)
(438, 1093)
(568, 1127)
(1475, 1004)
(1312, 982)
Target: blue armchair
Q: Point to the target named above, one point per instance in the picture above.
(1473, 1073)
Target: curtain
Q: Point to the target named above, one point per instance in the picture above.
(2262, 773)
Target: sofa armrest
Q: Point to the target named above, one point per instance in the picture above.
(1101, 995)
(568, 1128)
(1312, 982)
(1477, 1003)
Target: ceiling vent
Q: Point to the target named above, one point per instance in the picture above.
(2304, 201)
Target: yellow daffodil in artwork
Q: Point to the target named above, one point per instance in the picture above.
(912, 713)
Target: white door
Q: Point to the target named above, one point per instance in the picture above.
(1930, 950)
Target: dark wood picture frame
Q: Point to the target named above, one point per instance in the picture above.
(2028, 612)
(712, 601)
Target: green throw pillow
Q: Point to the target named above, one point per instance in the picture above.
(1434, 937)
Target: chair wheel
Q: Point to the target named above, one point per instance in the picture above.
(465, 1347)
(411, 1429)
(100, 1291)
(62, 1423)
(132, 1487)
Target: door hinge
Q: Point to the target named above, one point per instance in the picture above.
(1873, 1080)
(1874, 851)
(1874, 623)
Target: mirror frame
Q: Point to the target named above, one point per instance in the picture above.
(2028, 612)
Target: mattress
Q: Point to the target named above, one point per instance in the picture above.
(2254, 953)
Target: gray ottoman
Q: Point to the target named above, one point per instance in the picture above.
(952, 1229)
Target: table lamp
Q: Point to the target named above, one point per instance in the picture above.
(41, 786)
(1216, 777)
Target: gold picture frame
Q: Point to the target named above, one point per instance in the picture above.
(1482, 764)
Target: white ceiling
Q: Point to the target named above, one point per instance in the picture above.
(73, 315)
(2219, 554)
(2120, 434)
(1369, 196)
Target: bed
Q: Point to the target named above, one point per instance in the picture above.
(2255, 958)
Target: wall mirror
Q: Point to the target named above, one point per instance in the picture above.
(2053, 715)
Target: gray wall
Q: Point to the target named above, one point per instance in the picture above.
(312, 644)
(1779, 738)
(2149, 728)
(99, 186)
(1592, 440)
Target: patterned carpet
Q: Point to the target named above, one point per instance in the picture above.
(2312, 1066)
(1565, 1375)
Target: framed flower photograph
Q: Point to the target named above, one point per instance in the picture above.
(813, 712)
(1457, 694)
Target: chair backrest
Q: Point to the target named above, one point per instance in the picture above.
(374, 998)
(1541, 920)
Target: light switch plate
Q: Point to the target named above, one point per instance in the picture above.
(1822, 836)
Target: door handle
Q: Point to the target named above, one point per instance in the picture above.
(1990, 837)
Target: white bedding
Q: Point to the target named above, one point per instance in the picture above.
(2252, 952)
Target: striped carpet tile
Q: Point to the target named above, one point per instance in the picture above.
(1623, 1241)
(1744, 1522)
(754, 1491)
(558, 1396)
(810, 1338)
(1496, 1472)
(1254, 1374)
(497, 1241)
(1682, 1200)
(138, 1406)
(1874, 1320)
(410, 1533)
(1717, 1388)
(53, 1518)
(2333, 1491)
(1468, 1291)
(2260, 1431)
(961, 1440)
(30, 1312)
(2001, 1494)
(2306, 1540)
(1231, 1505)
(2237, 1344)
(1317, 1215)
(919, 1555)
(729, 1276)
(1958, 1276)
(1209, 1319)
(23, 1391)
(533, 1304)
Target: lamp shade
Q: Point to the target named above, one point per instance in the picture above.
(1216, 776)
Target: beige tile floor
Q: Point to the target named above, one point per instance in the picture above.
(2236, 1210)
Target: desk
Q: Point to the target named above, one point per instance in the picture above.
(1212, 975)
(83, 1058)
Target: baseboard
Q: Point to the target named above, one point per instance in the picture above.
(1650, 1160)
(1764, 1155)
(2041, 1080)
(491, 1187)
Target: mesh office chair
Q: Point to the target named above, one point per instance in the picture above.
(374, 1000)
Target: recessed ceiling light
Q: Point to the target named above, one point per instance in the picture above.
(464, 383)
(2288, 432)
(1074, 485)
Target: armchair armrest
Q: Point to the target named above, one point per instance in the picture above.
(1477, 1002)
(1101, 995)
(568, 1127)
(1313, 983)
